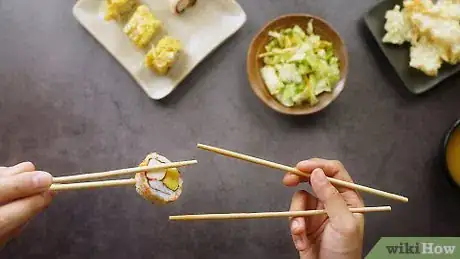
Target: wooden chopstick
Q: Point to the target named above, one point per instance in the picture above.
(91, 185)
(126, 171)
(261, 215)
(296, 171)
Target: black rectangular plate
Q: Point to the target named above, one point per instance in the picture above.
(415, 81)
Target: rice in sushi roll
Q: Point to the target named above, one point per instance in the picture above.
(179, 6)
(159, 187)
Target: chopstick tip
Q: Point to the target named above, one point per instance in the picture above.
(404, 199)
(173, 218)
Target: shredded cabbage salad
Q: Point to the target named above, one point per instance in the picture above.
(299, 66)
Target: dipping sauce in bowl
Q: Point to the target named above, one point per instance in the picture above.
(452, 149)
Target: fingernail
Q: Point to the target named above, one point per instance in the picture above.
(320, 176)
(42, 180)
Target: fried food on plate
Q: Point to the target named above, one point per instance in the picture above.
(142, 26)
(432, 29)
(396, 26)
(117, 9)
(162, 56)
(425, 57)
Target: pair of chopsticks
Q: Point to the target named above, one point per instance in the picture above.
(295, 171)
(66, 183)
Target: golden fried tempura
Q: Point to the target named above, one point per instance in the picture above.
(162, 56)
(142, 26)
(117, 9)
(425, 57)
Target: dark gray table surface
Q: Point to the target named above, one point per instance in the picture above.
(68, 106)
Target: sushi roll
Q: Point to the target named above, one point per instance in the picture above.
(179, 6)
(162, 56)
(142, 26)
(159, 187)
(117, 9)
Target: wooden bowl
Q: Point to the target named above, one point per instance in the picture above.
(254, 63)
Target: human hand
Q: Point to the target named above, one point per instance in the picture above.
(339, 234)
(23, 194)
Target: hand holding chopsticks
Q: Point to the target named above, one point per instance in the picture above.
(22, 196)
(296, 171)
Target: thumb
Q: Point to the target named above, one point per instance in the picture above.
(341, 218)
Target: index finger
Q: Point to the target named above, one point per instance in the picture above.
(331, 168)
(334, 169)
(17, 169)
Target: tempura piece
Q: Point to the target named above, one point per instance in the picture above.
(417, 6)
(117, 9)
(425, 57)
(433, 29)
(447, 10)
(179, 6)
(159, 187)
(438, 29)
(162, 56)
(444, 33)
(396, 26)
(142, 26)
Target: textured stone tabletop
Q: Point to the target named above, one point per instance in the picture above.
(68, 106)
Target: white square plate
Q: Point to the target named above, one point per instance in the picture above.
(201, 29)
